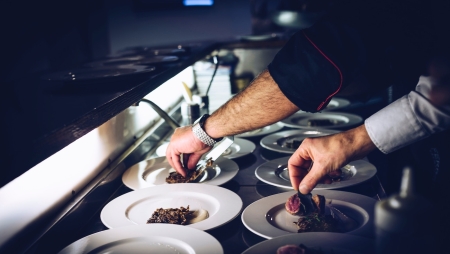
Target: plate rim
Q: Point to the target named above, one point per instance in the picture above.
(343, 101)
(249, 147)
(361, 177)
(267, 141)
(352, 117)
(229, 168)
(155, 230)
(259, 212)
(224, 215)
(241, 142)
(272, 128)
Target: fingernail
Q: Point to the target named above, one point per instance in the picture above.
(304, 189)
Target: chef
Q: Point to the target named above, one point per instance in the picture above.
(358, 48)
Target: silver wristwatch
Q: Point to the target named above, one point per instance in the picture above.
(199, 132)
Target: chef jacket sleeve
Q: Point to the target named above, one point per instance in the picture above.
(316, 63)
(407, 120)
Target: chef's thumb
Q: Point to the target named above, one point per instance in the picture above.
(311, 179)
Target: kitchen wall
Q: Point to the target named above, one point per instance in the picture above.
(129, 26)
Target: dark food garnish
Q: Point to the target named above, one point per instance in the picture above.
(292, 143)
(175, 177)
(317, 223)
(171, 215)
(192, 175)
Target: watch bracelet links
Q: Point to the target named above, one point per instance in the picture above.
(202, 135)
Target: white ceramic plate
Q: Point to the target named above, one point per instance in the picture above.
(268, 218)
(152, 238)
(328, 243)
(262, 131)
(323, 120)
(354, 173)
(154, 171)
(136, 207)
(336, 104)
(279, 141)
(264, 37)
(239, 148)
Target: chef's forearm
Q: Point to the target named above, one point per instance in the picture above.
(262, 103)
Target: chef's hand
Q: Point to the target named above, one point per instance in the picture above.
(184, 142)
(329, 154)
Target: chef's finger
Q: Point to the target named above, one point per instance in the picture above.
(297, 171)
(184, 158)
(175, 162)
(193, 160)
(312, 178)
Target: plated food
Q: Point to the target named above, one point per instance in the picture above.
(275, 173)
(297, 249)
(322, 242)
(268, 217)
(153, 238)
(318, 220)
(155, 171)
(180, 216)
(325, 120)
(136, 207)
(288, 141)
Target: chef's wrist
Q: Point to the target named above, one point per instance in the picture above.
(208, 127)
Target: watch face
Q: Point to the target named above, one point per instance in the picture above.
(202, 120)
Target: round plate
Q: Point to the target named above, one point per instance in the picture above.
(262, 131)
(336, 104)
(354, 173)
(136, 207)
(152, 238)
(268, 218)
(239, 148)
(324, 120)
(154, 171)
(263, 37)
(288, 141)
(97, 73)
(132, 60)
(335, 243)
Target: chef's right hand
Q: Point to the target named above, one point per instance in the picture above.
(184, 142)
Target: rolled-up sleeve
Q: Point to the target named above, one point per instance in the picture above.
(407, 120)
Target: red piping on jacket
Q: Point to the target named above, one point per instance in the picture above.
(335, 66)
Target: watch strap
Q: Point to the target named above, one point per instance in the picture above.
(202, 135)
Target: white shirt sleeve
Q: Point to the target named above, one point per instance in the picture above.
(407, 120)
